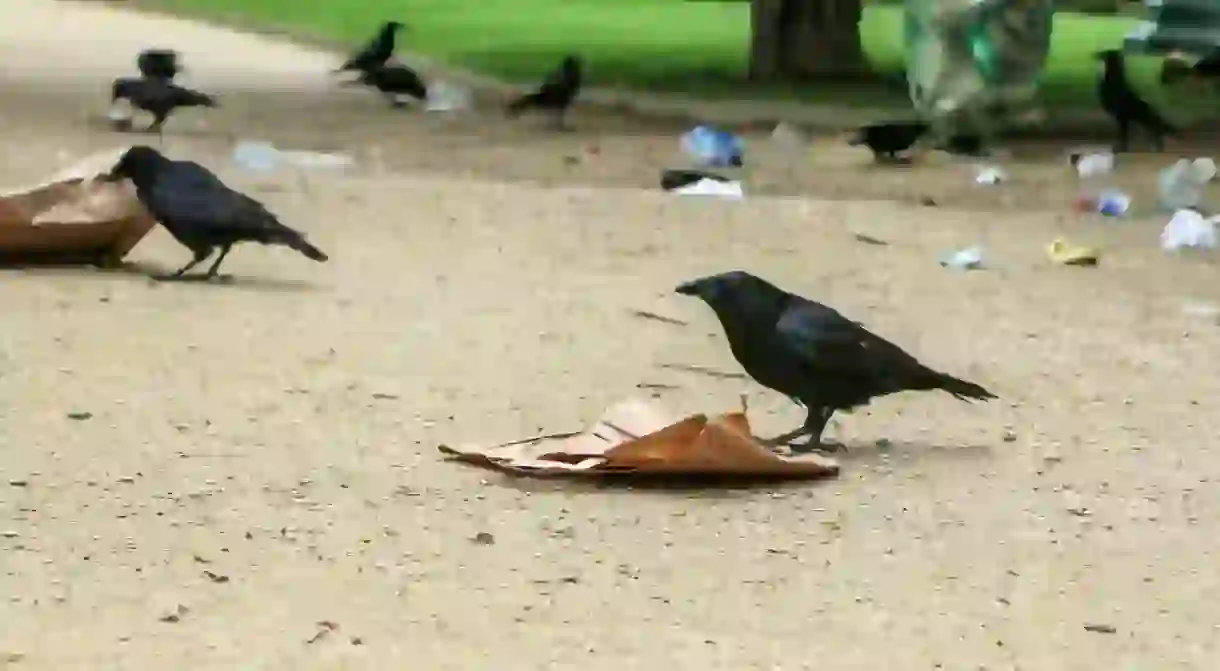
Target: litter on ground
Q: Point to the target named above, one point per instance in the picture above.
(640, 438)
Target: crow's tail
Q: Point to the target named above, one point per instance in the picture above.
(299, 243)
(187, 98)
(521, 104)
(961, 389)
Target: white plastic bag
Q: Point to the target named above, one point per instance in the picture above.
(712, 187)
(1187, 229)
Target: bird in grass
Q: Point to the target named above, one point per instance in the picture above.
(887, 140)
(1176, 68)
(199, 211)
(376, 52)
(812, 354)
(395, 82)
(1126, 106)
(158, 64)
(557, 93)
(159, 97)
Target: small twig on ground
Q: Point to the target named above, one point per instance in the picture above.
(656, 386)
(870, 240)
(644, 314)
(703, 371)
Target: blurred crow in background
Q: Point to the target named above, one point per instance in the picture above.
(557, 93)
(376, 52)
(887, 140)
(157, 96)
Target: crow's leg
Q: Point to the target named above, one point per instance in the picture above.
(561, 120)
(1158, 139)
(157, 124)
(200, 256)
(815, 424)
(1124, 135)
(216, 265)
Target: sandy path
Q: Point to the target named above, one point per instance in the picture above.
(280, 431)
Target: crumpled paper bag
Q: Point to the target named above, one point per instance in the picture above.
(640, 438)
(73, 217)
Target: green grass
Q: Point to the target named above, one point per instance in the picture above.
(699, 48)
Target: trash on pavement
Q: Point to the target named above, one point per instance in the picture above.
(1093, 164)
(712, 147)
(446, 97)
(1182, 184)
(1110, 203)
(73, 217)
(788, 135)
(1067, 254)
(970, 258)
(1188, 229)
(991, 175)
(639, 438)
(711, 187)
(265, 157)
(700, 183)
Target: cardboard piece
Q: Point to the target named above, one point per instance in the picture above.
(72, 217)
(640, 438)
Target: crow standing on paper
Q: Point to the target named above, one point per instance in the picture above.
(1125, 106)
(557, 93)
(887, 140)
(158, 64)
(395, 81)
(811, 353)
(376, 52)
(200, 211)
(158, 97)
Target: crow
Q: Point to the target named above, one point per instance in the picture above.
(887, 140)
(811, 353)
(557, 93)
(158, 64)
(200, 211)
(395, 81)
(1125, 106)
(1175, 69)
(158, 97)
(376, 52)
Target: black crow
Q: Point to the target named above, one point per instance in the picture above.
(887, 140)
(1176, 69)
(158, 63)
(376, 52)
(200, 211)
(1125, 106)
(557, 93)
(395, 81)
(158, 97)
(811, 353)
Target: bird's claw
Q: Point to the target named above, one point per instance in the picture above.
(811, 447)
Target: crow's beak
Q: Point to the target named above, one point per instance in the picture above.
(855, 140)
(111, 176)
(688, 289)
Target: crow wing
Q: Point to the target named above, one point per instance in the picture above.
(826, 341)
(191, 196)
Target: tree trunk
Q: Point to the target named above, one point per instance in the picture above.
(796, 40)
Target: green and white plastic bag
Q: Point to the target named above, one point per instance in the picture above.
(971, 64)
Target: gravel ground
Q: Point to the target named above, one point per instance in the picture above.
(259, 457)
